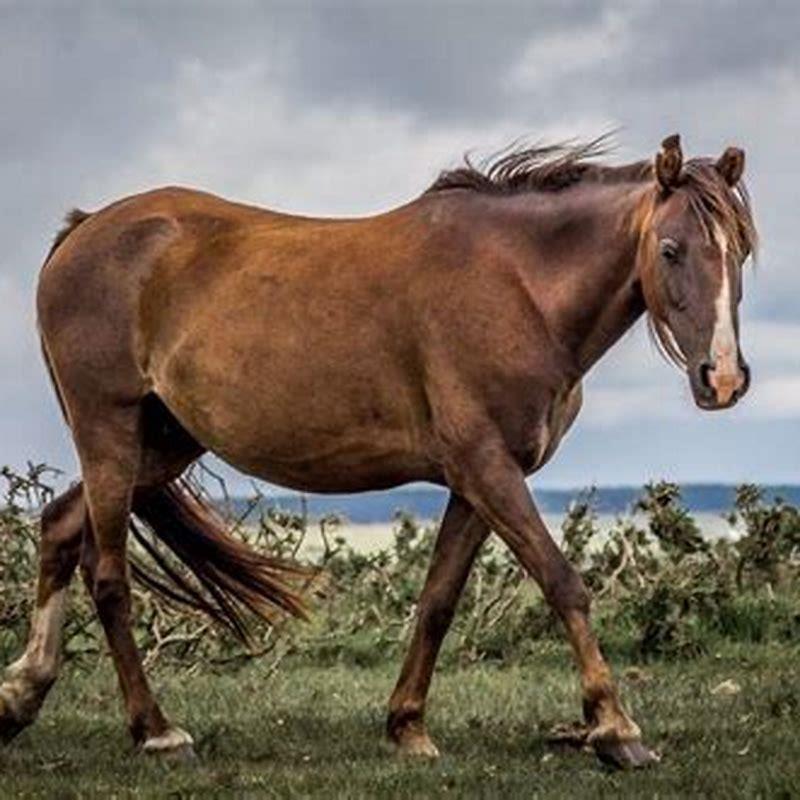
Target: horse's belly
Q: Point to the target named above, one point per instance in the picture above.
(320, 460)
(331, 473)
(296, 428)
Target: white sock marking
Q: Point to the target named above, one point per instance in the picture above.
(27, 677)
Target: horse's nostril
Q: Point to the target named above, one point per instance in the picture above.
(744, 367)
(706, 368)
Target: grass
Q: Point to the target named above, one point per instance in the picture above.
(309, 731)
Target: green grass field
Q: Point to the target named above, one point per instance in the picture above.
(308, 731)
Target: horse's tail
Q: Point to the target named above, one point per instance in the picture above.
(72, 219)
(234, 581)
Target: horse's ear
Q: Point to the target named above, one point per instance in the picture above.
(669, 162)
(731, 165)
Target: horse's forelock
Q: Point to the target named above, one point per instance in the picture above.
(722, 207)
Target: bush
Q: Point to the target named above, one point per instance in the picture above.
(672, 593)
(660, 588)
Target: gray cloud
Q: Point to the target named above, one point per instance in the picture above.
(347, 107)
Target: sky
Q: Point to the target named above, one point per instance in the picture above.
(339, 109)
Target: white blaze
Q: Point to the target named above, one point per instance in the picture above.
(726, 377)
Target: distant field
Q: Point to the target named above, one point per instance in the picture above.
(309, 731)
(368, 537)
(427, 502)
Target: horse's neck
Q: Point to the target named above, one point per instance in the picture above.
(593, 294)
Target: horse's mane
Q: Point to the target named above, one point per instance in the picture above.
(553, 167)
(541, 167)
(719, 205)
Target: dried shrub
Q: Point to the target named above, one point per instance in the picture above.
(660, 588)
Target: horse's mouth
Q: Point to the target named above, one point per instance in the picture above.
(710, 401)
(707, 404)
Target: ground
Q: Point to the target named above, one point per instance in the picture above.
(309, 731)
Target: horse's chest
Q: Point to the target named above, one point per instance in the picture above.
(550, 425)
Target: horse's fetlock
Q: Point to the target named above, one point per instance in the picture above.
(403, 717)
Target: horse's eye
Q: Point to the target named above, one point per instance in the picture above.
(669, 250)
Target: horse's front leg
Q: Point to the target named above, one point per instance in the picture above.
(490, 479)
(460, 537)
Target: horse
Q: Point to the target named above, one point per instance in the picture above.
(444, 341)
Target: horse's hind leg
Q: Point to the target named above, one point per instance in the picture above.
(460, 537)
(110, 450)
(28, 679)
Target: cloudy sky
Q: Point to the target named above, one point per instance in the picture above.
(350, 108)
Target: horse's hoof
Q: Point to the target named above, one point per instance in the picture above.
(184, 754)
(417, 745)
(624, 754)
(174, 745)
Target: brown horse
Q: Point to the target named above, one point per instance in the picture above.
(443, 341)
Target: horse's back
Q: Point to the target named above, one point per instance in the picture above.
(102, 264)
(273, 339)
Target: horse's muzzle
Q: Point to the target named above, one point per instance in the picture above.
(715, 387)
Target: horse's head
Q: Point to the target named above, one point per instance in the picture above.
(697, 232)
